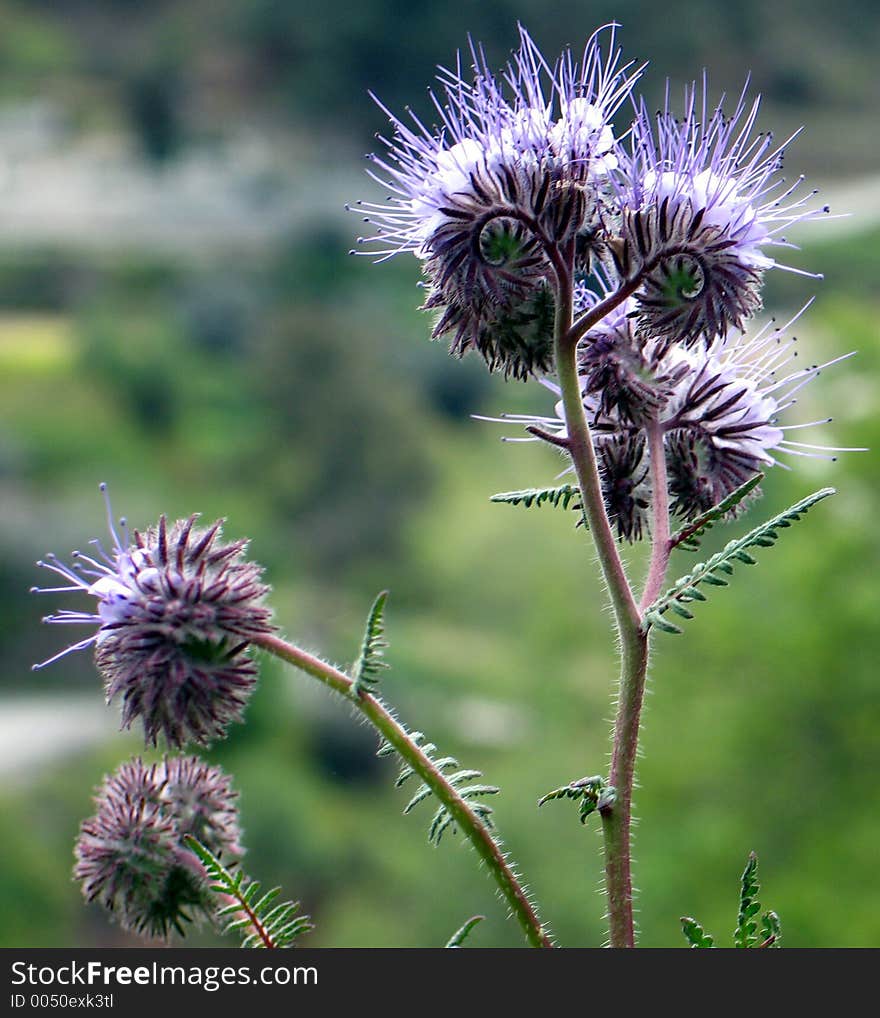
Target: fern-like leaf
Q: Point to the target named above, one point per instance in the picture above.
(460, 779)
(686, 590)
(460, 936)
(771, 932)
(694, 933)
(370, 663)
(746, 933)
(688, 538)
(591, 793)
(255, 917)
(559, 498)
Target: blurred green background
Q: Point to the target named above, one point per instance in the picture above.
(179, 317)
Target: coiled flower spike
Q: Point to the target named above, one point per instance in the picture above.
(517, 167)
(701, 202)
(719, 411)
(175, 616)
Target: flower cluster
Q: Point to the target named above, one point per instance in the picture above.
(176, 613)
(131, 857)
(718, 409)
(518, 168)
(528, 197)
(526, 173)
(700, 200)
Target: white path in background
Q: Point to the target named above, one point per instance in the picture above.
(94, 192)
(240, 192)
(37, 731)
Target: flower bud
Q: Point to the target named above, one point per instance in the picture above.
(130, 856)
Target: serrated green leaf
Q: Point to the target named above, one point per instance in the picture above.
(558, 497)
(587, 791)
(688, 537)
(463, 775)
(442, 819)
(771, 932)
(694, 933)
(370, 663)
(474, 790)
(714, 581)
(253, 917)
(654, 618)
(745, 934)
(420, 796)
(686, 588)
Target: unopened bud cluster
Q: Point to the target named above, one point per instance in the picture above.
(131, 857)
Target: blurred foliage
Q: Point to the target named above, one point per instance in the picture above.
(173, 71)
(293, 391)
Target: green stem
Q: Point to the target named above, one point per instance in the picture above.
(583, 455)
(617, 816)
(616, 813)
(473, 827)
(661, 546)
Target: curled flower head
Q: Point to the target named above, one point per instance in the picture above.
(701, 202)
(622, 371)
(518, 165)
(723, 424)
(130, 856)
(626, 489)
(176, 612)
(719, 411)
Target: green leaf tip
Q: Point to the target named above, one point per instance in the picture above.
(591, 793)
(686, 590)
(462, 779)
(694, 933)
(746, 933)
(460, 936)
(370, 663)
(559, 497)
(255, 917)
(688, 538)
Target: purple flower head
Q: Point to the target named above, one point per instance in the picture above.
(176, 612)
(130, 856)
(517, 166)
(622, 371)
(626, 486)
(723, 423)
(719, 410)
(702, 205)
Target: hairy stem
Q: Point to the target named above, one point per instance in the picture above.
(616, 813)
(661, 546)
(617, 816)
(577, 330)
(583, 455)
(473, 827)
